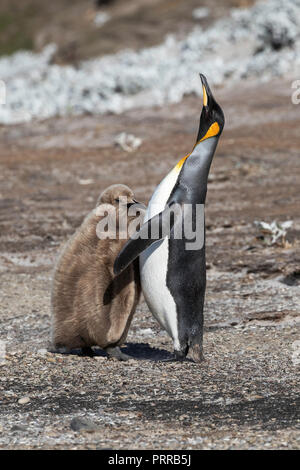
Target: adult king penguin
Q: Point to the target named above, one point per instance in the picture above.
(173, 277)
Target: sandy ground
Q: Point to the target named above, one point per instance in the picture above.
(246, 393)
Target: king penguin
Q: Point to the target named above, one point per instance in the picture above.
(173, 278)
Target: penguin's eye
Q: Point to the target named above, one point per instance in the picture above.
(117, 200)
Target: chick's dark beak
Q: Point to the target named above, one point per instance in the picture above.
(132, 202)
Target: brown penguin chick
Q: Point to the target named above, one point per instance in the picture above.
(90, 305)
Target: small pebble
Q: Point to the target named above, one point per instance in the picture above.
(23, 400)
(83, 424)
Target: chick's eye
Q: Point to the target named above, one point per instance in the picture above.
(117, 200)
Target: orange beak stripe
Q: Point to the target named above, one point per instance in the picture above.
(205, 99)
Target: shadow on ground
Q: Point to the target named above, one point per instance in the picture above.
(272, 413)
(137, 351)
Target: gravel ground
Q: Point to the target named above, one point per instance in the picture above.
(246, 393)
(262, 41)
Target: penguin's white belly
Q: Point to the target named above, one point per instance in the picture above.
(154, 266)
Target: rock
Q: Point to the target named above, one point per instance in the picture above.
(101, 18)
(42, 352)
(128, 142)
(200, 13)
(83, 425)
(18, 427)
(24, 400)
(85, 182)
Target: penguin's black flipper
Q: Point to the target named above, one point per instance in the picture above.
(151, 231)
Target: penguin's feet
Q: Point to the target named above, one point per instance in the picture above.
(87, 351)
(59, 350)
(179, 355)
(117, 354)
(197, 353)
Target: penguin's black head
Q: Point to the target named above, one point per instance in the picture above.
(212, 117)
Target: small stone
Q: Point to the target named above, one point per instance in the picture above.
(42, 352)
(50, 359)
(18, 427)
(24, 400)
(85, 182)
(83, 424)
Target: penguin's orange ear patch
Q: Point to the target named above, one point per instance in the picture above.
(212, 131)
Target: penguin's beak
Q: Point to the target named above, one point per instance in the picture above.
(212, 117)
(206, 91)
